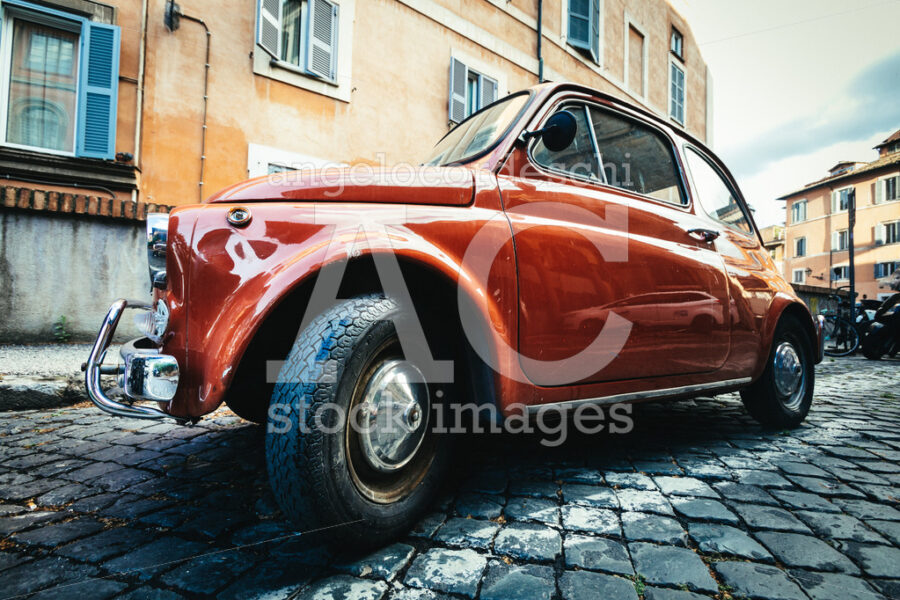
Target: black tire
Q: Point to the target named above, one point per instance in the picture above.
(875, 341)
(317, 476)
(255, 413)
(763, 399)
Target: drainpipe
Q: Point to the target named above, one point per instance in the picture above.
(540, 36)
(142, 60)
(173, 14)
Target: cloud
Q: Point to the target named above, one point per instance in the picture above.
(868, 105)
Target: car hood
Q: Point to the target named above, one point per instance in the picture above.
(452, 186)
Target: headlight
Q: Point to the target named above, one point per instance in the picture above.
(157, 235)
(153, 323)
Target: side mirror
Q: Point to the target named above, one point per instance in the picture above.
(558, 133)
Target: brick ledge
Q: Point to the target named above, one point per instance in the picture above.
(31, 199)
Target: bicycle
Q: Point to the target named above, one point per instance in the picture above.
(841, 336)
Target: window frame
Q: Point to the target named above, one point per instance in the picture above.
(645, 54)
(555, 105)
(675, 32)
(10, 12)
(795, 272)
(843, 268)
(895, 264)
(754, 231)
(567, 39)
(841, 234)
(675, 65)
(796, 203)
(797, 241)
(896, 227)
(836, 206)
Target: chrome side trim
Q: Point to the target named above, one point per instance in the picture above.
(686, 390)
(93, 367)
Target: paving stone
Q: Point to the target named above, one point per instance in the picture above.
(452, 571)
(655, 593)
(514, 582)
(703, 509)
(344, 586)
(669, 566)
(40, 574)
(479, 506)
(55, 534)
(876, 561)
(584, 585)
(865, 510)
(795, 550)
(268, 580)
(206, 574)
(541, 510)
(684, 486)
(889, 529)
(590, 519)
(839, 526)
(832, 586)
(769, 517)
(528, 542)
(597, 554)
(643, 527)
(657, 467)
(93, 588)
(428, 526)
(403, 593)
(705, 469)
(826, 487)
(805, 500)
(766, 479)
(744, 493)
(155, 557)
(724, 539)
(644, 501)
(589, 495)
(105, 544)
(630, 480)
(800, 468)
(758, 581)
(385, 563)
(580, 475)
(20, 522)
(64, 494)
(534, 489)
(467, 533)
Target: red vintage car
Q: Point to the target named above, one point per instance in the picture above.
(559, 249)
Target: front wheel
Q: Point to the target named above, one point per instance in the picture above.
(782, 395)
(350, 442)
(841, 337)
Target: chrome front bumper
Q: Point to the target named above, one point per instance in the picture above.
(143, 374)
(820, 335)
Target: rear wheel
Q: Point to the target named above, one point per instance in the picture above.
(875, 342)
(782, 395)
(841, 337)
(350, 444)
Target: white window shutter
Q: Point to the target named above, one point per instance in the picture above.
(488, 90)
(459, 74)
(880, 184)
(321, 39)
(879, 234)
(269, 34)
(834, 201)
(835, 237)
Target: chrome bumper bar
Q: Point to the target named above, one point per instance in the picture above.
(145, 375)
(820, 334)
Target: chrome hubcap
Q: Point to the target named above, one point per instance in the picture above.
(788, 374)
(393, 416)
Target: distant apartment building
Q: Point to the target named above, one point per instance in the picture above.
(113, 109)
(773, 240)
(817, 225)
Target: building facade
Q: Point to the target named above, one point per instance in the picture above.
(773, 240)
(817, 225)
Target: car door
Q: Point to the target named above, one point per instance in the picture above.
(603, 249)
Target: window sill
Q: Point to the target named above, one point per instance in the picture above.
(280, 64)
(55, 169)
(265, 66)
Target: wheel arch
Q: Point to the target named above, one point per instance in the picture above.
(785, 306)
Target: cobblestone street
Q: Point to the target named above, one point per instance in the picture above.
(696, 502)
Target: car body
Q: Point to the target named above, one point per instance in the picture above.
(541, 253)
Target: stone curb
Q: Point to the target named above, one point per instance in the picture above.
(30, 393)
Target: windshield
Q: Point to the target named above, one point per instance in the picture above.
(477, 133)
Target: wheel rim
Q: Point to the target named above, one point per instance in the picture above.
(388, 444)
(790, 376)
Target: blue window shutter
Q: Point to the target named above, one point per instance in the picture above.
(595, 30)
(488, 91)
(580, 23)
(459, 74)
(321, 39)
(98, 90)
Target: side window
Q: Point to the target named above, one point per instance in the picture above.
(715, 196)
(636, 158)
(580, 158)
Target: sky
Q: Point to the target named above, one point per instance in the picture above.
(798, 85)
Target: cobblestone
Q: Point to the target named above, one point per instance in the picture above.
(696, 502)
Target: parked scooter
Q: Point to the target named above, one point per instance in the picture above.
(883, 334)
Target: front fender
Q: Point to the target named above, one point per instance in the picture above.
(238, 276)
(783, 303)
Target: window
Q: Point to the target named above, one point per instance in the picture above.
(584, 26)
(799, 276)
(676, 43)
(840, 200)
(887, 189)
(840, 240)
(60, 88)
(887, 233)
(715, 194)
(635, 59)
(470, 91)
(633, 157)
(676, 93)
(798, 211)
(885, 269)
(302, 34)
(840, 273)
(800, 247)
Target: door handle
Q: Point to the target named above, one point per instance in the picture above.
(703, 235)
